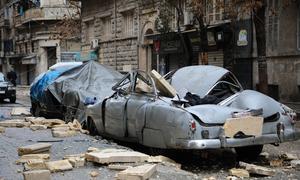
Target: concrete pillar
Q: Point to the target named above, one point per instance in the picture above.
(42, 63)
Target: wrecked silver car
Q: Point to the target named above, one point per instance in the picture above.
(202, 107)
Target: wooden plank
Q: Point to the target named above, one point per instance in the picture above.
(249, 125)
(57, 166)
(37, 175)
(34, 148)
(116, 157)
(139, 172)
(162, 85)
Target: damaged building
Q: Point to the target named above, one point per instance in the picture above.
(122, 34)
(30, 41)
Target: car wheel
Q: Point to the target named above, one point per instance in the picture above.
(12, 99)
(36, 110)
(91, 127)
(249, 152)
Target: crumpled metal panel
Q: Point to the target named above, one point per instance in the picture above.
(196, 79)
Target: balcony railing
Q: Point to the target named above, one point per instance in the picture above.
(46, 13)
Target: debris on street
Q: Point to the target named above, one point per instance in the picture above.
(28, 157)
(118, 167)
(77, 160)
(34, 148)
(295, 164)
(35, 164)
(19, 123)
(139, 172)
(94, 173)
(289, 156)
(37, 175)
(60, 165)
(20, 111)
(259, 170)
(2, 129)
(116, 157)
(276, 162)
(241, 173)
(36, 127)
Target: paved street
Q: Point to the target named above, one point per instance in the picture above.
(211, 164)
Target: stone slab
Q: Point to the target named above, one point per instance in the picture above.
(254, 169)
(116, 157)
(139, 172)
(15, 123)
(36, 127)
(241, 173)
(34, 148)
(37, 175)
(35, 164)
(20, 111)
(28, 157)
(57, 166)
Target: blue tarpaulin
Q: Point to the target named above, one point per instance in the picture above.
(38, 88)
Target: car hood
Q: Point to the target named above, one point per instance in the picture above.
(212, 114)
(196, 79)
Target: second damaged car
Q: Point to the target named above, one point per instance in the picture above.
(197, 107)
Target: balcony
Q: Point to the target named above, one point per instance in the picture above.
(46, 13)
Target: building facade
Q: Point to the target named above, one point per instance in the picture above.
(123, 35)
(29, 36)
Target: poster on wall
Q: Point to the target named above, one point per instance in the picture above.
(242, 40)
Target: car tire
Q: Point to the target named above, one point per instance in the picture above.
(249, 152)
(36, 110)
(12, 99)
(91, 127)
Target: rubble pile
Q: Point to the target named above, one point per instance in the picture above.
(59, 128)
(37, 165)
(285, 160)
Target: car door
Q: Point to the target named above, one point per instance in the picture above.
(114, 108)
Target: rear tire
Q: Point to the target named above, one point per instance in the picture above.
(91, 127)
(249, 152)
(12, 99)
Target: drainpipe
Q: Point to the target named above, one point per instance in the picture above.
(115, 26)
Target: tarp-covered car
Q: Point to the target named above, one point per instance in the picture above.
(63, 91)
(210, 110)
(7, 90)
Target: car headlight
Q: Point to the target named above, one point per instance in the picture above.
(11, 88)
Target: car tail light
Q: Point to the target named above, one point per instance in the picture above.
(193, 125)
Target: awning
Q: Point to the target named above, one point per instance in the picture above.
(31, 59)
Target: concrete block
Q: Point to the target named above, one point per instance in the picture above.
(139, 172)
(37, 175)
(118, 167)
(77, 160)
(27, 157)
(254, 169)
(62, 134)
(57, 166)
(116, 157)
(35, 164)
(295, 164)
(93, 149)
(20, 111)
(160, 159)
(34, 148)
(241, 173)
(15, 123)
(2, 129)
(289, 156)
(35, 127)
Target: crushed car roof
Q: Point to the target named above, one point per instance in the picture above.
(196, 79)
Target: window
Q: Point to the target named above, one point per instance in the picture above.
(128, 25)
(273, 24)
(180, 4)
(89, 32)
(214, 13)
(107, 26)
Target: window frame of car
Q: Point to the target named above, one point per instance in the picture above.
(132, 77)
(234, 82)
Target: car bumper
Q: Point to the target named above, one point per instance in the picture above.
(8, 94)
(235, 142)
